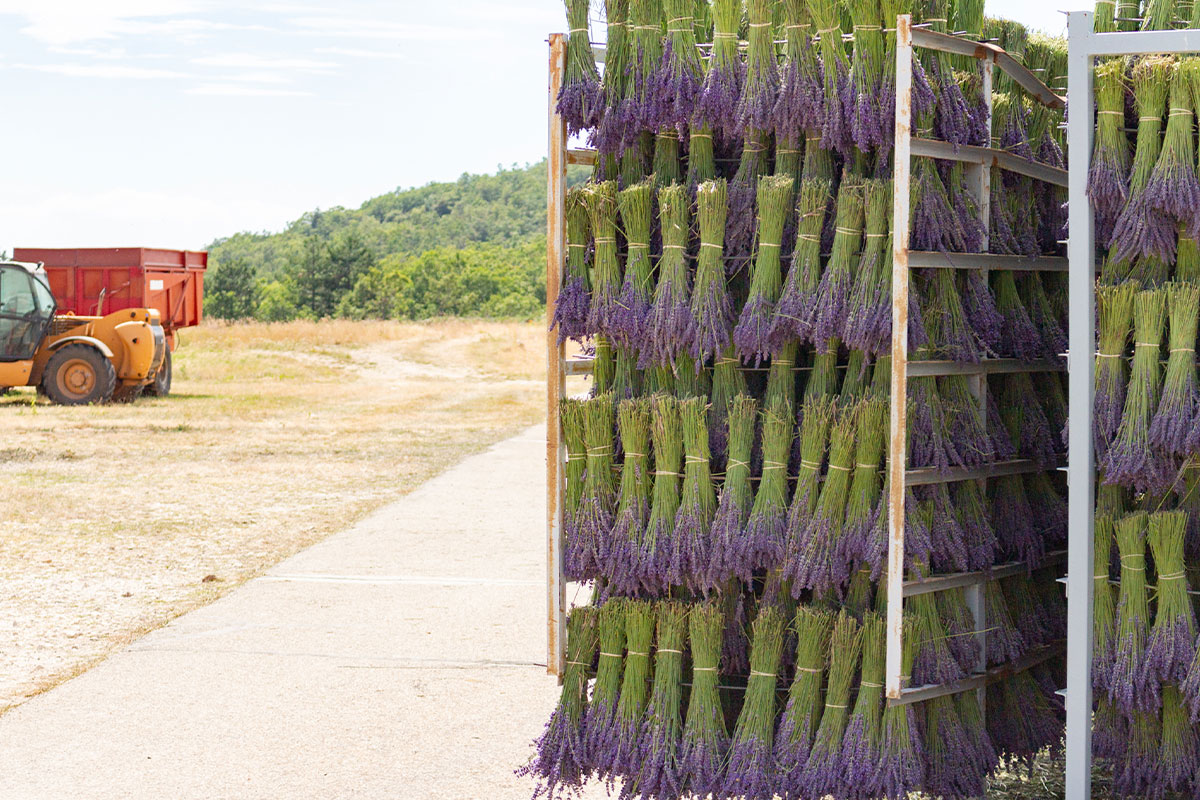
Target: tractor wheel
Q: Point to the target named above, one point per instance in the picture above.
(161, 385)
(79, 374)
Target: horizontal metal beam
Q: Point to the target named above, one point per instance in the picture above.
(919, 694)
(582, 156)
(933, 259)
(1019, 466)
(989, 157)
(578, 366)
(989, 366)
(1138, 42)
(986, 51)
(959, 580)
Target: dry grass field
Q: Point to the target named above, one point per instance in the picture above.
(118, 518)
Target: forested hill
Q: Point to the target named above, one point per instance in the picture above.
(472, 247)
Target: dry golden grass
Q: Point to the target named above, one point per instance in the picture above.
(274, 437)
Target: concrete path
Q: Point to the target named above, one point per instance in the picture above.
(403, 658)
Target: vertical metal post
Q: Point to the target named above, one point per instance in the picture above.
(898, 416)
(1081, 364)
(556, 245)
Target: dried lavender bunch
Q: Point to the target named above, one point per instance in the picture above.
(824, 380)
(1043, 495)
(571, 310)
(863, 88)
(818, 567)
(560, 765)
(901, 764)
(626, 381)
(968, 499)
(1173, 189)
(670, 326)
(816, 415)
(1171, 646)
(1130, 684)
(960, 628)
(929, 445)
(620, 555)
(1135, 773)
(1129, 461)
(599, 722)
(571, 415)
(835, 77)
(949, 771)
(750, 773)
(1027, 613)
(795, 311)
(1115, 307)
(580, 101)
(948, 538)
(752, 334)
(983, 753)
(964, 421)
(639, 112)
(596, 507)
(604, 366)
(822, 772)
(802, 714)
(736, 497)
(681, 77)
(1005, 642)
(1025, 419)
(1104, 603)
(869, 309)
(934, 663)
(728, 381)
(712, 310)
(666, 434)
(659, 774)
(952, 114)
(1023, 722)
(838, 278)
(761, 86)
(859, 752)
(631, 316)
(692, 544)
(625, 759)
(717, 104)
(1019, 337)
(866, 486)
(1012, 520)
(604, 312)
(781, 379)
(762, 543)
(799, 104)
(1042, 314)
(613, 86)
(858, 376)
(1179, 755)
(1172, 423)
(1140, 230)
(705, 741)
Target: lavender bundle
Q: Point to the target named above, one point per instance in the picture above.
(1179, 754)
(860, 754)
(750, 772)
(705, 741)
(1025, 419)
(1129, 684)
(835, 76)
(1104, 603)
(603, 366)
(901, 765)
(799, 105)
(936, 224)
(753, 118)
(624, 759)
(599, 724)
(815, 419)
(866, 487)
(982, 753)
(631, 316)
(934, 662)
(1012, 520)
(1173, 190)
(818, 567)
(626, 382)
(1041, 313)
(571, 415)
(1172, 423)
(822, 772)
(639, 112)
(560, 764)
(670, 325)
(1115, 307)
(752, 334)
(866, 78)
(868, 322)
(1005, 642)
(580, 101)
(802, 714)
(596, 507)
(712, 310)
(728, 381)
(836, 282)
(1024, 722)
(969, 501)
(1139, 229)
(948, 539)
(1171, 646)
(781, 379)
(620, 556)
(659, 773)
(604, 312)
(929, 445)
(953, 121)
(960, 628)
(949, 755)
(1027, 612)
(666, 433)
(571, 310)
(964, 421)
(1019, 337)
(681, 77)
(733, 507)
(1051, 505)
(717, 104)
(1135, 773)
(858, 376)
(794, 313)
(1129, 461)
(692, 545)
(614, 85)
(762, 544)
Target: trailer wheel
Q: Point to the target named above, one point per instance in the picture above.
(79, 374)
(161, 385)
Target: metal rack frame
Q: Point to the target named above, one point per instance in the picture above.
(1084, 46)
(980, 161)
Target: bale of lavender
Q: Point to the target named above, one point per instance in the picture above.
(1179, 754)
(815, 419)
(1115, 308)
(750, 773)
(752, 334)
(1130, 684)
(1104, 603)
(596, 507)
(692, 541)
(705, 742)
(658, 774)
(712, 310)
(613, 87)
(719, 95)
(949, 755)
(822, 772)
(934, 662)
(970, 503)
(571, 416)
(836, 281)
(762, 544)
(901, 764)
(1173, 190)
(797, 303)
(753, 120)
(681, 77)
(580, 101)
(1020, 720)
(1171, 645)
(1135, 772)
(571, 310)
(1180, 401)
(866, 486)
(802, 713)
(1129, 461)
(620, 555)
(868, 321)
(799, 104)
(666, 434)
(670, 325)
(1005, 642)
(599, 725)
(835, 72)
(736, 497)
(964, 421)
(631, 316)
(603, 313)
(859, 755)
(818, 568)
(960, 627)
(1108, 174)
(1025, 419)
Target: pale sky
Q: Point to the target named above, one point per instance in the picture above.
(172, 122)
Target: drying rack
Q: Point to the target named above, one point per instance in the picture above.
(979, 161)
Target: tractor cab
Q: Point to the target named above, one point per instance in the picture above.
(26, 310)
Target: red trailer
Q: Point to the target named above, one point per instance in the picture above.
(100, 280)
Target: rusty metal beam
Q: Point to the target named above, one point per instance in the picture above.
(986, 51)
(932, 259)
(989, 156)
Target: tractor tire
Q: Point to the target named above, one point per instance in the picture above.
(161, 385)
(78, 375)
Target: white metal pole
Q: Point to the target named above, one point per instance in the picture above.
(1081, 363)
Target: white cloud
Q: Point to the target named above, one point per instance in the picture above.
(354, 52)
(238, 90)
(368, 28)
(253, 61)
(103, 71)
(65, 22)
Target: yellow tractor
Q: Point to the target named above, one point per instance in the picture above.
(74, 360)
